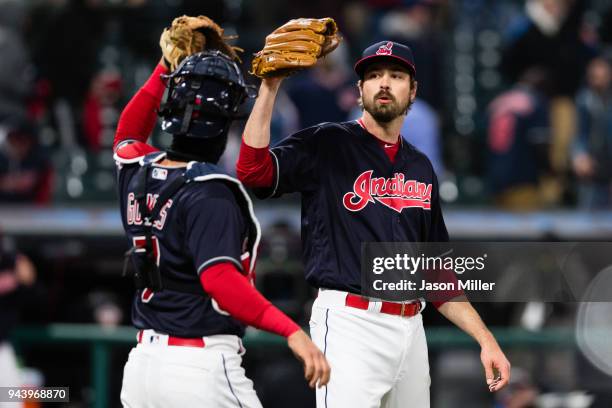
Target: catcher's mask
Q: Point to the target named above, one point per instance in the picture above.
(204, 95)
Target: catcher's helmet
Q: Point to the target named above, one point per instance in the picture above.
(204, 95)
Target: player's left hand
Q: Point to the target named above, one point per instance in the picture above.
(496, 366)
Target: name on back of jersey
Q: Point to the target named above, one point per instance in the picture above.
(134, 217)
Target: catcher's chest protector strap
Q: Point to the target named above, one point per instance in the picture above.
(147, 271)
(147, 274)
(201, 172)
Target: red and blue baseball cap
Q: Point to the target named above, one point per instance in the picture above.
(386, 51)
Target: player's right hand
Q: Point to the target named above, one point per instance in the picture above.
(316, 368)
(496, 366)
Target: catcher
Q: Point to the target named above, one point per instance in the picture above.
(193, 233)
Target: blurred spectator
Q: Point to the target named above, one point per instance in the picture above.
(549, 37)
(25, 169)
(141, 21)
(605, 28)
(355, 23)
(15, 81)
(384, 4)
(65, 39)
(592, 150)
(99, 306)
(280, 243)
(100, 113)
(326, 92)
(517, 141)
(17, 277)
(422, 130)
(414, 24)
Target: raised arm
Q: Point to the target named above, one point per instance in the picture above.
(140, 114)
(257, 129)
(284, 52)
(254, 167)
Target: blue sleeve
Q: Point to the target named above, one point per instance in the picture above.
(214, 232)
(295, 164)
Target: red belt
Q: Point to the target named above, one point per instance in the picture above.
(392, 308)
(179, 341)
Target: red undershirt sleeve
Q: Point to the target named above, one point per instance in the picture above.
(140, 114)
(234, 294)
(254, 167)
(447, 276)
(440, 303)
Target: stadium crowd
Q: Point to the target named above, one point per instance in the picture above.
(513, 110)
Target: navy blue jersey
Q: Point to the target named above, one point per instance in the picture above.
(352, 193)
(201, 225)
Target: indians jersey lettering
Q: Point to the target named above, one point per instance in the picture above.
(396, 193)
(352, 193)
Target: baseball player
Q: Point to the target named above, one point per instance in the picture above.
(194, 242)
(17, 289)
(377, 349)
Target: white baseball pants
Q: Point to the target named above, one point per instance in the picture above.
(160, 376)
(377, 360)
(9, 372)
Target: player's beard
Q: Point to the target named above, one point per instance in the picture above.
(385, 113)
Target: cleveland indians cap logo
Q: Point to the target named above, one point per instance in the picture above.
(395, 193)
(386, 49)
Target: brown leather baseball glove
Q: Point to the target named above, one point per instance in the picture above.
(296, 45)
(188, 35)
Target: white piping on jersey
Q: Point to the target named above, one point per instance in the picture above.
(159, 166)
(277, 178)
(159, 156)
(249, 204)
(139, 159)
(217, 259)
(162, 155)
(119, 159)
(217, 308)
(121, 143)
